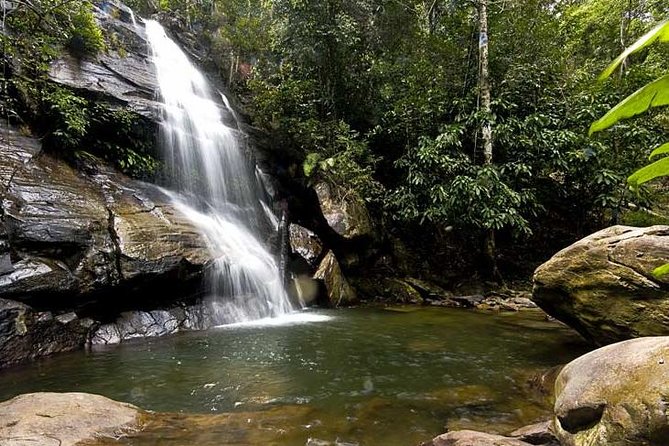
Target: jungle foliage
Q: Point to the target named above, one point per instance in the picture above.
(34, 33)
(382, 97)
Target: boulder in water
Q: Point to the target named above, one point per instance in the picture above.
(603, 285)
(616, 395)
(64, 419)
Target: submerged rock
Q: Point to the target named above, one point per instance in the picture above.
(64, 419)
(339, 292)
(473, 438)
(603, 286)
(615, 396)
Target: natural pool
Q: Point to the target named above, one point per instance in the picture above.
(367, 376)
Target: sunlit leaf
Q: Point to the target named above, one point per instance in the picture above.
(655, 94)
(664, 148)
(661, 270)
(657, 169)
(659, 33)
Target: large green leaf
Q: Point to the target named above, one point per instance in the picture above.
(664, 148)
(655, 94)
(660, 33)
(657, 169)
(661, 270)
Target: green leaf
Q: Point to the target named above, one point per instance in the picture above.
(657, 169)
(661, 270)
(660, 32)
(655, 94)
(664, 148)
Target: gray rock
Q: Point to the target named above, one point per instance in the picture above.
(603, 286)
(143, 324)
(615, 396)
(123, 75)
(305, 243)
(26, 334)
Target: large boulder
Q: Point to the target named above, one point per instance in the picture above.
(344, 211)
(603, 285)
(615, 396)
(64, 419)
(68, 234)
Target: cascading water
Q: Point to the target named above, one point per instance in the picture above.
(219, 189)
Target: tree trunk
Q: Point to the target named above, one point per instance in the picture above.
(486, 127)
(484, 82)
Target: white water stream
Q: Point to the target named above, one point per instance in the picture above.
(218, 188)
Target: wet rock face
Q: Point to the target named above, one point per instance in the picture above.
(144, 324)
(123, 75)
(616, 396)
(603, 286)
(305, 243)
(27, 334)
(71, 235)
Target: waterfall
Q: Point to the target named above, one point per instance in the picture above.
(217, 187)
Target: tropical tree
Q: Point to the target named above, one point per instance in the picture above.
(654, 94)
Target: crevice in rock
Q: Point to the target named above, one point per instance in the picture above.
(148, 94)
(116, 241)
(582, 418)
(641, 273)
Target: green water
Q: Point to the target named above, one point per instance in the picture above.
(367, 376)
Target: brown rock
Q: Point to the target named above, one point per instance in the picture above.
(63, 419)
(473, 438)
(339, 291)
(615, 396)
(603, 286)
(344, 211)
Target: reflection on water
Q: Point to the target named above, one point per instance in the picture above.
(365, 376)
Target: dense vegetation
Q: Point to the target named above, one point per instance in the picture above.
(383, 98)
(35, 32)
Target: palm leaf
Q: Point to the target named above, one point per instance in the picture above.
(655, 94)
(657, 169)
(660, 33)
(664, 148)
(661, 270)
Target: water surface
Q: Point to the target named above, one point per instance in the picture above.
(366, 376)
